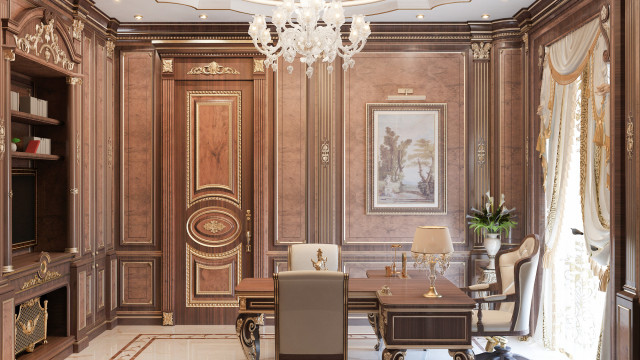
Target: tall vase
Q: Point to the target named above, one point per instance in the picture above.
(492, 244)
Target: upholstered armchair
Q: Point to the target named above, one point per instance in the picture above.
(315, 257)
(311, 315)
(513, 292)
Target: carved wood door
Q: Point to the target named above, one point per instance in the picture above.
(214, 189)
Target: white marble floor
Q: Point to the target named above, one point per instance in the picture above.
(221, 343)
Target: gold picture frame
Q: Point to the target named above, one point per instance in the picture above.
(406, 159)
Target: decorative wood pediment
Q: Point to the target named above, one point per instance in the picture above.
(40, 34)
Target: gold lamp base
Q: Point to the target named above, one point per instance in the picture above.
(432, 293)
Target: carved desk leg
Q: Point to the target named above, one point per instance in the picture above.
(393, 354)
(373, 321)
(248, 331)
(463, 354)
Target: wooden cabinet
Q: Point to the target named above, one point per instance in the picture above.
(63, 204)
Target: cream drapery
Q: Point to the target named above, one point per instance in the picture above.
(574, 92)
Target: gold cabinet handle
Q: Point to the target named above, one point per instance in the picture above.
(248, 218)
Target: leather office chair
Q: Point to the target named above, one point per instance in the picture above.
(516, 275)
(310, 256)
(311, 315)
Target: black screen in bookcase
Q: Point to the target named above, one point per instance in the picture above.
(23, 220)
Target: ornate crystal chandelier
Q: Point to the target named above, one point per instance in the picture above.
(299, 33)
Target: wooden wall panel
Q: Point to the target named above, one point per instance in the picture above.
(114, 284)
(512, 163)
(211, 278)
(100, 290)
(137, 148)
(82, 300)
(138, 283)
(8, 329)
(111, 181)
(90, 291)
(100, 147)
(88, 146)
(291, 157)
(439, 76)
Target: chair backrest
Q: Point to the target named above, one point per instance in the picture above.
(516, 273)
(311, 314)
(303, 256)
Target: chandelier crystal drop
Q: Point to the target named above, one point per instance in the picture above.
(300, 32)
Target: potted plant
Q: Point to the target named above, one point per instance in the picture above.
(14, 144)
(491, 221)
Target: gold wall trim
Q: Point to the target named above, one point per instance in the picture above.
(76, 29)
(191, 255)
(167, 319)
(630, 135)
(210, 242)
(110, 48)
(258, 66)
(213, 68)
(37, 281)
(3, 138)
(167, 65)
(45, 40)
(481, 50)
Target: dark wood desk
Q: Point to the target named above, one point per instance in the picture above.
(405, 319)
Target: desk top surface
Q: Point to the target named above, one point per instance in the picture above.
(404, 292)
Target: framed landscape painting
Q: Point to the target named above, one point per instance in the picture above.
(406, 159)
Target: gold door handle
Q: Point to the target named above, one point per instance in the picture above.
(248, 217)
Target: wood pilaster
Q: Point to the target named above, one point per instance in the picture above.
(480, 144)
(168, 211)
(262, 175)
(74, 153)
(5, 160)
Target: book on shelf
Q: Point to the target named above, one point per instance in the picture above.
(15, 101)
(44, 144)
(34, 106)
(33, 146)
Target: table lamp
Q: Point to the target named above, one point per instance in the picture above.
(432, 246)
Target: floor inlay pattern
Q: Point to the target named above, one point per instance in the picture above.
(219, 342)
(141, 342)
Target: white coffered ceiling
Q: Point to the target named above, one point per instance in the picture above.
(376, 10)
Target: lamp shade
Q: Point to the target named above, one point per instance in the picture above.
(432, 240)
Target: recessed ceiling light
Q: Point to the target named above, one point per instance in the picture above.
(137, 17)
(203, 16)
(419, 16)
(485, 16)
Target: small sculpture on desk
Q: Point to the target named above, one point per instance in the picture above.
(404, 274)
(321, 263)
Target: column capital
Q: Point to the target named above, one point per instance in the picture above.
(481, 50)
(9, 54)
(71, 80)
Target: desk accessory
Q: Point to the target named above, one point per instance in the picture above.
(432, 246)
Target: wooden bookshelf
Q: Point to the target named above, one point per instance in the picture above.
(26, 118)
(31, 156)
